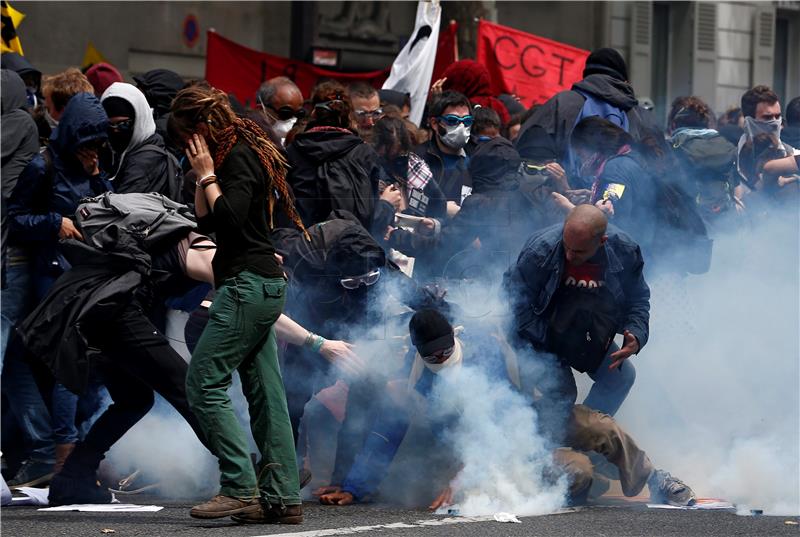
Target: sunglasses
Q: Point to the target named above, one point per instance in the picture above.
(374, 114)
(439, 356)
(452, 120)
(368, 279)
(124, 125)
(532, 169)
(285, 113)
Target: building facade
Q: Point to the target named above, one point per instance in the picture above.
(716, 50)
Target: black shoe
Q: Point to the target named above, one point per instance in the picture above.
(32, 474)
(65, 490)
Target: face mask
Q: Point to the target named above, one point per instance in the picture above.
(454, 137)
(119, 135)
(753, 127)
(282, 127)
(30, 94)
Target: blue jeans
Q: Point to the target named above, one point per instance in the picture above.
(22, 393)
(611, 386)
(74, 415)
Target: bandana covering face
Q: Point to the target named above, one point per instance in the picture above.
(454, 361)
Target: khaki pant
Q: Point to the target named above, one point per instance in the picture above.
(589, 430)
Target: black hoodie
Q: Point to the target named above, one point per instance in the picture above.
(557, 116)
(333, 169)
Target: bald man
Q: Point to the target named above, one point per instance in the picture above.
(282, 102)
(573, 288)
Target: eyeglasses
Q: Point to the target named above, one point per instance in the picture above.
(439, 356)
(374, 114)
(532, 169)
(368, 279)
(452, 120)
(285, 113)
(124, 125)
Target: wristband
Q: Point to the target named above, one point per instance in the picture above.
(208, 183)
(318, 344)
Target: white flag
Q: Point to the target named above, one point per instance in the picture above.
(413, 67)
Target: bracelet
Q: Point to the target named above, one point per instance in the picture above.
(203, 180)
(207, 184)
(309, 341)
(318, 344)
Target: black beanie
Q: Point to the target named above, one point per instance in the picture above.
(606, 61)
(491, 162)
(430, 332)
(536, 144)
(118, 107)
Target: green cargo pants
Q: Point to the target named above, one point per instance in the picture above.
(239, 336)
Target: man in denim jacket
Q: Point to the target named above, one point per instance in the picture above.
(582, 255)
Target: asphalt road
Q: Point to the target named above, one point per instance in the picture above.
(174, 521)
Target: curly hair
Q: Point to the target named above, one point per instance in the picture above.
(61, 86)
(201, 103)
(331, 106)
(690, 112)
(755, 96)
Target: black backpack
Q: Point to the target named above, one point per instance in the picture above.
(582, 326)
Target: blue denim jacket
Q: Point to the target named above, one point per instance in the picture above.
(533, 280)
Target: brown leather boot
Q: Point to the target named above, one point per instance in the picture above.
(62, 452)
(222, 506)
(272, 514)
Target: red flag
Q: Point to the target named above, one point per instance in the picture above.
(531, 67)
(240, 70)
(446, 51)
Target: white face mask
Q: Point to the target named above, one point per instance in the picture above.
(455, 137)
(282, 127)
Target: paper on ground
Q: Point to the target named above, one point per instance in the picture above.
(700, 505)
(507, 517)
(33, 496)
(106, 508)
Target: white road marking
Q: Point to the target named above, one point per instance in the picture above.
(396, 525)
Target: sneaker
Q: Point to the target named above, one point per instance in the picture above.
(66, 490)
(669, 490)
(32, 474)
(222, 506)
(272, 514)
(305, 478)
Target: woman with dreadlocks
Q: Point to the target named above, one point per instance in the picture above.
(240, 174)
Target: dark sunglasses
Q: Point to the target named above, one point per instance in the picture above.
(124, 125)
(452, 120)
(285, 113)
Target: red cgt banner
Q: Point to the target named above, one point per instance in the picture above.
(531, 67)
(240, 70)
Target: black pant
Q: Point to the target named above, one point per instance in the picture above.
(137, 360)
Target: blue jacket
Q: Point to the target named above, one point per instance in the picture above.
(532, 282)
(40, 199)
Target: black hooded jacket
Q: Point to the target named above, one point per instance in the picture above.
(496, 213)
(559, 113)
(160, 86)
(333, 169)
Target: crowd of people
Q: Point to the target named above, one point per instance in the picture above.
(289, 232)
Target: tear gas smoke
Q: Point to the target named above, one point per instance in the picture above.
(716, 396)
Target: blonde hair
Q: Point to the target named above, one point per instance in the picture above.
(62, 86)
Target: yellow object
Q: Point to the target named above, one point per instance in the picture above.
(613, 189)
(92, 56)
(11, 19)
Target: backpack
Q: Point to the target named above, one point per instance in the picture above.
(174, 170)
(582, 326)
(151, 218)
(707, 158)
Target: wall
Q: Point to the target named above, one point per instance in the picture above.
(734, 52)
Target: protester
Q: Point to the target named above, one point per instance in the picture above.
(572, 289)
(366, 105)
(791, 129)
(239, 172)
(31, 76)
(396, 98)
(542, 176)
(282, 103)
(58, 90)
(102, 75)
(20, 143)
(495, 216)
(441, 352)
(141, 162)
(486, 124)
(472, 79)
(705, 156)
(160, 86)
(605, 92)
(334, 169)
(450, 119)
